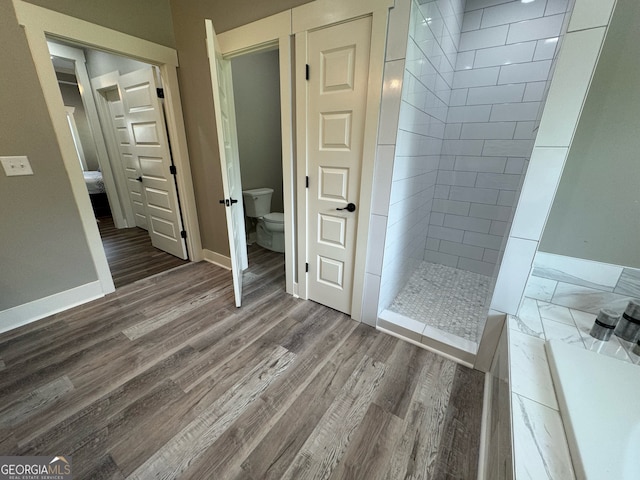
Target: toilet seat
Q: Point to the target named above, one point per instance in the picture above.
(274, 217)
(274, 221)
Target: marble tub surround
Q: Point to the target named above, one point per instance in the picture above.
(594, 394)
(629, 282)
(529, 369)
(498, 453)
(576, 271)
(541, 450)
(540, 446)
(546, 321)
(582, 284)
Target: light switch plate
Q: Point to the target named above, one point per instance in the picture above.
(14, 166)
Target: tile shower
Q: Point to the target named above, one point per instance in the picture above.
(474, 80)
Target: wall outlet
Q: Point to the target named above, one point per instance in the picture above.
(14, 166)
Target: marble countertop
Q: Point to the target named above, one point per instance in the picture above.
(540, 448)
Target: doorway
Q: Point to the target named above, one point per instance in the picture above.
(40, 23)
(119, 135)
(256, 93)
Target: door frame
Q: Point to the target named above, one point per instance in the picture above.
(280, 29)
(39, 22)
(259, 36)
(100, 84)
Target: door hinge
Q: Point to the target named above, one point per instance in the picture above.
(173, 170)
(306, 267)
(306, 71)
(160, 92)
(307, 182)
(183, 234)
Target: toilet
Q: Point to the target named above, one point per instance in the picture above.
(270, 227)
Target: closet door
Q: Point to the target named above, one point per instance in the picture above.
(128, 168)
(149, 148)
(336, 95)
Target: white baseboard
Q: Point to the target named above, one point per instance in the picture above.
(30, 312)
(217, 259)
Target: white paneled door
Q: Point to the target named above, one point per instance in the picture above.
(149, 149)
(129, 167)
(338, 59)
(222, 86)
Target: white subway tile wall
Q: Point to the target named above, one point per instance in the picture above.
(429, 69)
(465, 101)
(505, 57)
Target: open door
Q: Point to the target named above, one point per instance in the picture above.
(149, 148)
(229, 161)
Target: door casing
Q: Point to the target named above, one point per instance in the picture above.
(101, 87)
(39, 22)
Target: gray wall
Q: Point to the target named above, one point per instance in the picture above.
(596, 212)
(42, 246)
(256, 90)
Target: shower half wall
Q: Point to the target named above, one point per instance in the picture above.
(474, 82)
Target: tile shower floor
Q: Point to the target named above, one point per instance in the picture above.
(447, 299)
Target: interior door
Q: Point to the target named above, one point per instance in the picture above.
(150, 151)
(338, 58)
(128, 161)
(222, 85)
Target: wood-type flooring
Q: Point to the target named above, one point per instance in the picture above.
(130, 255)
(165, 378)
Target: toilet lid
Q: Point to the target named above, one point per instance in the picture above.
(274, 217)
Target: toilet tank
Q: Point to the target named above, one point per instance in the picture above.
(257, 202)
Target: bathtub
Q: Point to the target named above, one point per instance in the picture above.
(598, 398)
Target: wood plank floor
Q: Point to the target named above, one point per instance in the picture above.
(166, 379)
(130, 255)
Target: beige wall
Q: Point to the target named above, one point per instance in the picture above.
(148, 19)
(596, 212)
(42, 245)
(197, 101)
